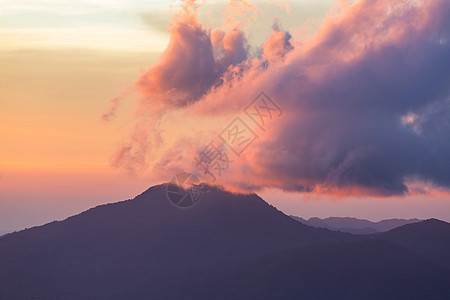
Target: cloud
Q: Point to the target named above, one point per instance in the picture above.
(155, 20)
(114, 104)
(190, 66)
(186, 69)
(193, 61)
(277, 45)
(239, 8)
(347, 93)
(230, 48)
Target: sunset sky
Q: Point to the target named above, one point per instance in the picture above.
(100, 100)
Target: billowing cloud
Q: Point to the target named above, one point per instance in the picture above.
(192, 64)
(230, 48)
(365, 101)
(186, 69)
(277, 45)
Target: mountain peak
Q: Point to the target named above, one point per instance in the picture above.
(149, 246)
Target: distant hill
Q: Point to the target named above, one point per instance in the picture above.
(371, 269)
(430, 238)
(354, 225)
(228, 246)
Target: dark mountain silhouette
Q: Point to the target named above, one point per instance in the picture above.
(354, 225)
(386, 225)
(146, 245)
(3, 232)
(430, 238)
(370, 269)
(146, 248)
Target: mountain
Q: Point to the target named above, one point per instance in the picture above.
(3, 232)
(227, 246)
(354, 225)
(145, 246)
(430, 238)
(370, 269)
(386, 225)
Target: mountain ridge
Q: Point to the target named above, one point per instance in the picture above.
(148, 235)
(146, 247)
(355, 225)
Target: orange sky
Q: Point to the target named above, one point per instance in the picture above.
(55, 81)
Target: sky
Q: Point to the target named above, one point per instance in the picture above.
(100, 100)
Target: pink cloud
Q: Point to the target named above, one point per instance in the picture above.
(343, 92)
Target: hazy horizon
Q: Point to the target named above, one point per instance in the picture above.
(289, 204)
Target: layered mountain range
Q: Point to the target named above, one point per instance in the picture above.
(227, 246)
(354, 225)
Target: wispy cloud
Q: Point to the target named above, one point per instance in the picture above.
(96, 37)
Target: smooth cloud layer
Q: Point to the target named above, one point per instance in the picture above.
(366, 101)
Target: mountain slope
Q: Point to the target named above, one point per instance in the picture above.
(3, 232)
(145, 246)
(430, 238)
(226, 246)
(370, 269)
(354, 225)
